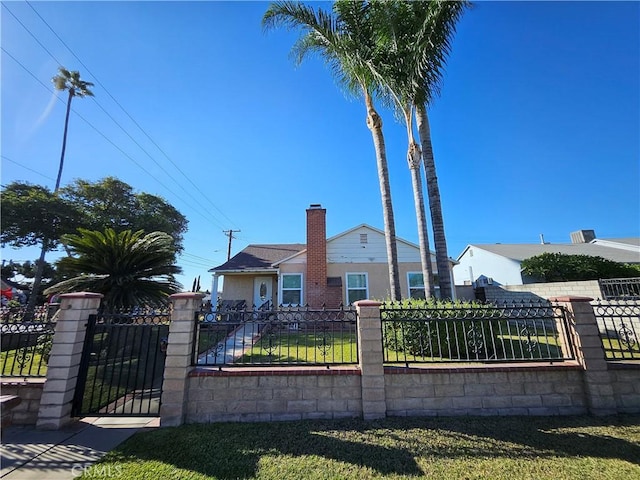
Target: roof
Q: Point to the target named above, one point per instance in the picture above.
(260, 257)
(519, 252)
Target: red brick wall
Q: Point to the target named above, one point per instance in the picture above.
(316, 277)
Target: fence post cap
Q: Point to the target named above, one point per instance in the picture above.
(367, 303)
(571, 298)
(182, 295)
(81, 295)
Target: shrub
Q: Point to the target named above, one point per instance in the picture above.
(416, 328)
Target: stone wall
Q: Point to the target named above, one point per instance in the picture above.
(537, 291)
(30, 392)
(289, 394)
(625, 381)
(496, 390)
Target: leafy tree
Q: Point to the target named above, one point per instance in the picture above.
(128, 268)
(346, 41)
(559, 267)
(113, 203)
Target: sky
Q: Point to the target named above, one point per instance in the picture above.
(536, 130)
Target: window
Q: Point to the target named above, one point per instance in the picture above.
(357, 287)
(292, 289)
(416, 285)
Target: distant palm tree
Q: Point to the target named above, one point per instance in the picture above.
(70, 81)
(345, 40)
(128, 268)
(65, 80)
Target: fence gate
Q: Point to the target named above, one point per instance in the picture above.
(122, 364)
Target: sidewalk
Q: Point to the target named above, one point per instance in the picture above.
(30, 454)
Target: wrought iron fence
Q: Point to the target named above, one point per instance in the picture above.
(26, 339)
(122, 365)
(276, 336)
(620, 288)
(475, 333)
(619, 327)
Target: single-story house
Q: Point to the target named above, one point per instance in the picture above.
(500, 263)
(342, 269)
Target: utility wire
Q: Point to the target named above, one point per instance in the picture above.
(103, 135)
(27, 168)
(128, 115)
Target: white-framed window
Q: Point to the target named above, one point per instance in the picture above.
(415, 280)
(416, 284)
(291, 290)
(357, 287)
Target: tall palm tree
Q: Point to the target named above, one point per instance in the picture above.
(345, 39)
(128, 268)
(415, 38)
(70, 81)
(65, 80)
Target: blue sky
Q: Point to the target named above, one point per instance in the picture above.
(537, 130)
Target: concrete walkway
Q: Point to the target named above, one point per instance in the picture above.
(30, 454)
(233, 347)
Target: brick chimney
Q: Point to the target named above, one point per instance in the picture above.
(316, 278)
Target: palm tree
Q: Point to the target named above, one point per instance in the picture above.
(70, 81)
(415, 40)
(65, 80)
(128, 268)
(345, 40)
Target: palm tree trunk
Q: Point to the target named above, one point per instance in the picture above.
(374, 123)
(64, 141)
(433, 191)
(413, 157)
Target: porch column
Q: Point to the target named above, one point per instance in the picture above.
(214, 292)
(64, 359)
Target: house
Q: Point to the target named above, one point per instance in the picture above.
(499, 263)
(342, 269)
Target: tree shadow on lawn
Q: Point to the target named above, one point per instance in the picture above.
(388, 447)
(233, 450)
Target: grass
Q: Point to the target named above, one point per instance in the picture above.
(23, 362)
(497, 448)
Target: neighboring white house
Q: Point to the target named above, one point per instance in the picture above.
(499, 263)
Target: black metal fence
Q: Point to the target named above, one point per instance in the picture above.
(475, 333)
(619, 327)
(276, 336)
(620, 288)
(26, 339)
(122, 365)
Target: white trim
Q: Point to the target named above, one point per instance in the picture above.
(281, 284)
(346, 284)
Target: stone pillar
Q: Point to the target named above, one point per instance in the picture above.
(370, 356)
(583, 331)
(64, 360)
(179, 357)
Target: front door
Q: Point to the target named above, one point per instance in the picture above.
(262, 291)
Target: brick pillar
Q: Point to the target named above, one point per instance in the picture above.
(179, 357)
(374, 403)
(583, 330)
(316, 278)
(64, 360)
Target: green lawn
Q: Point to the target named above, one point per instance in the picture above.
(510, 448)
(23, 362)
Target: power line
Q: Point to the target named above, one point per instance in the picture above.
(128, 115)
(27, 168)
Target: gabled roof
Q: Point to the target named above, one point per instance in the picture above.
(346, 232)
(519, 252)
(259, 257)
